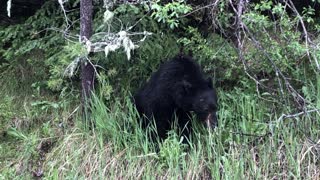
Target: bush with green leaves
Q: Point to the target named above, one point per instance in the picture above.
(170, 13)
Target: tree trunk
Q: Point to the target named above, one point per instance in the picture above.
(87, 70)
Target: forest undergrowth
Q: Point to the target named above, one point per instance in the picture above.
(263, 59)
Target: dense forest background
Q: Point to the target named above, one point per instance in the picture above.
(263, 57)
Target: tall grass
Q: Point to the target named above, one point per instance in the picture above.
(249, 143)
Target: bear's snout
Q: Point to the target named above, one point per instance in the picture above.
(211, 120)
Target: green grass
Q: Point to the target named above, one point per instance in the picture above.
(250, 143)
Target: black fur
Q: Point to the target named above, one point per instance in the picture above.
(178, 87)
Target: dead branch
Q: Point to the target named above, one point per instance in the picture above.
(285, 116)
(305, 32)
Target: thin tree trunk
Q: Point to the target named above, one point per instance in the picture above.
(87, 70)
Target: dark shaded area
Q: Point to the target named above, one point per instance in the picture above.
(20, 10)
(205, 20)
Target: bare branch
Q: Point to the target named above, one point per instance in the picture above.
(285, 116)
(305, 32)
(240, 42)
(61, 2)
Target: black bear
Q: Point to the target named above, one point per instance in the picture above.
(177, 88)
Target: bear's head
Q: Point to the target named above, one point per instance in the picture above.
(201, 98)
(205, 105)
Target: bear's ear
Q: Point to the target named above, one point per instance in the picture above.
(209, 82)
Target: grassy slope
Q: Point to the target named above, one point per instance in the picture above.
(250, 143)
